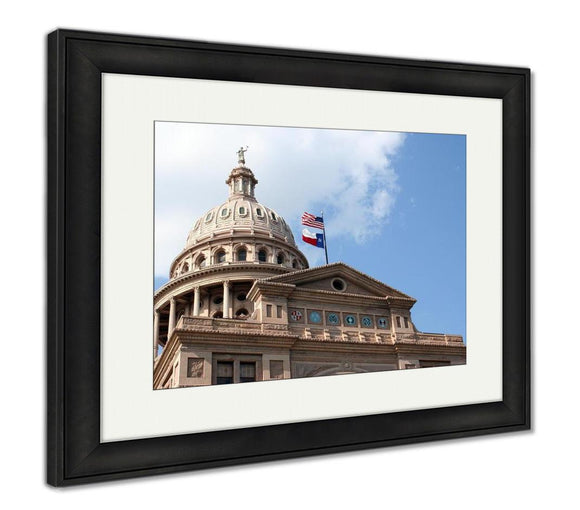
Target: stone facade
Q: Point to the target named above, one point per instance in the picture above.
(242, 305)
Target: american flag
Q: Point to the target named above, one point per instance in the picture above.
(312, 221)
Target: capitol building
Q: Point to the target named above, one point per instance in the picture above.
(243, 305)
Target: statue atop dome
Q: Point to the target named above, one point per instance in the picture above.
(241, 180)
(241, 157)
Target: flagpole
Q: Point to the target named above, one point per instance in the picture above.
(324, 233)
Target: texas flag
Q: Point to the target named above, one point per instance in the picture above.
(312, 238)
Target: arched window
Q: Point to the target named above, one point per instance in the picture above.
(294, 264)
(259, 212)
(185, 268)
(273, 216)
(242, 313)
(280, 258)
(262, 255)
(225, 212)
(220, 257)
(242, 254)
(201, 261)
(242, 211)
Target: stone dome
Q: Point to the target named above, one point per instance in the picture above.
(240, 230)
(239, 214)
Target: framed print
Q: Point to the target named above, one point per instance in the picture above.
(261, 253)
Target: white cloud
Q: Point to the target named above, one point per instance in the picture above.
(348, 174)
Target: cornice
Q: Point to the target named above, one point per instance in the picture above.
(223, 268)
(401, 301)
(271, 288)
(235, 339)
(243, 334)
(322, 345)
(327, 270)
(424, 348)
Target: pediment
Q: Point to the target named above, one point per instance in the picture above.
(339, 278)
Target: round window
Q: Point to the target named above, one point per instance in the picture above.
(338, 284)
(218, 300)
(241, 297)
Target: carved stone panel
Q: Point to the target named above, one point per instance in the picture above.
(195, 367)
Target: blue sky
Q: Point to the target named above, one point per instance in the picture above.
(394, 203)
(421, 248)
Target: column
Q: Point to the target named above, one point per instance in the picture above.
(171, 326)
(155, 334)
(226, 303)
(195, 301)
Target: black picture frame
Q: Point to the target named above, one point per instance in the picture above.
(75, 62)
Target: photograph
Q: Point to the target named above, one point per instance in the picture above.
(290, 252)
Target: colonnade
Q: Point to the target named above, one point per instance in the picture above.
(226, 311)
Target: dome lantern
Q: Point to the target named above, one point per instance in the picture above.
(241, 179)
(242, 183)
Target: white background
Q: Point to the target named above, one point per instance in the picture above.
(513, 470)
